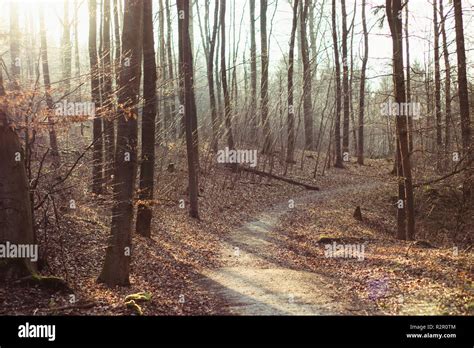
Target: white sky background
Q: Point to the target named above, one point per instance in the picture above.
(420, 27)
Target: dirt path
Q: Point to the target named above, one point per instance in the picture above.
(250, 284)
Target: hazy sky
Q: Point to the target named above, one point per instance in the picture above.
(380, 44)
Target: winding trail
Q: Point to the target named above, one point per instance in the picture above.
(251, 284)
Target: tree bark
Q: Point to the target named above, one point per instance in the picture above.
(97, 154)
(147, 164)
(225, 89)
(16, 225)
(360, 145)
(447, 82)
(267, 143)
(407, 45)
(345, 81)
(53, 140)
(118, 49)
(439, 139)
(463, 94)
(67, 50)
(253, 74)
(77, 59)
(186, 68)
(116, 269)
(165, 92)
(210, 79)
(394, 8)
(171, 85)
(307, 100)
(337, 122)
(107, 97)
(291, 109)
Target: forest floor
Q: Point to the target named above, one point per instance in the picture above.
(251, 253)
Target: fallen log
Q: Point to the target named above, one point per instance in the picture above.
(76, 306)
(276, 177)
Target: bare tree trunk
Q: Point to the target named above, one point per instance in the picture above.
(97, 155)
(107, 97)
(312, 37)
(116, 269)
(407, 44)
(307, 102)
(447, 83)
(439, 141)
(253, 74)
(337, 122)
(351, 80)
(194, 122)
(165, 92)
(53, 140)
(171, 85)
(118, 49)
(345, 81)
(218, 85)
(393, 8)
(360, 146)
(463, 95)
(210, 77)
(291, 109)
(401, 208)
(77, 59)
(147, 164)
(264, 82)
(225, 90)
(186, 63)
(67, 50)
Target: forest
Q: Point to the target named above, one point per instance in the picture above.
(236, 157)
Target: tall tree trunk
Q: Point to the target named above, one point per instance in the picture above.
(118, 49)
(407, 45)
(253, 75)
(171, 85)
(337, 122)
(77, 59)
(307, 102)
(447, 83)
(360, 146)
(463, 95)
(53, 140)
(164, 122)
(210, 78)
(291, 109)
(267, 143)
(97, 154)
(147, 166)
(345, 81)
(225, 89)
(439, 141)
(351, 81)
(218, 85)
(186, 68)
(67, 50)
(116, 269)
(107, 96)
(194, 122)
(394, 8)
(312, 37)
